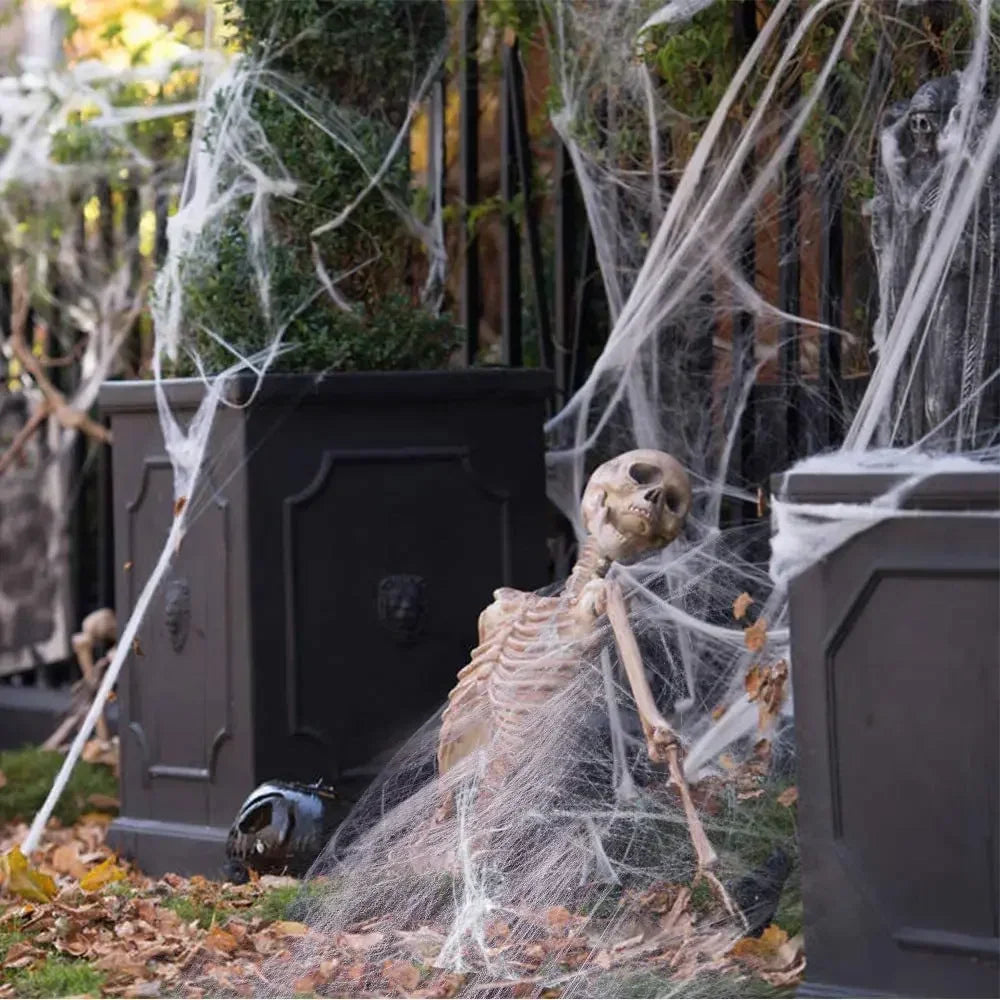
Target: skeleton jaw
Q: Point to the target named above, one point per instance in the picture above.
(626, 533)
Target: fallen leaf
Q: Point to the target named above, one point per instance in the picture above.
(402, 975)
(309, 982)
(101, 752)
(20, 954)
(277, 881)
(755, 636)
(99, 801)
(356, 973)
(359, 942)
(218, 939)
(741, 604)
(765, 946)
(290, 928)
(96, 818)
(629, 942)
(443, 987)
(766, 686)
(23, 880)
(497, 931)
(789, 796)
(753, 681)
(66, 860)
(144, 989)
(105, 873)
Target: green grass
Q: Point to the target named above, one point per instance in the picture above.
(277, 904)
(57, 977)
(193, 911)
(789, 915)
(54, 976)
(289, 902)
(8, 938)
(30, 773)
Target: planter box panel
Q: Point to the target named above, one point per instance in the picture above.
(425, 506)
(187, 742)
(382, 627)
(895, 665)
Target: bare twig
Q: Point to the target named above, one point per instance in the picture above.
(24, 435)
(55, 402)
(62, 411)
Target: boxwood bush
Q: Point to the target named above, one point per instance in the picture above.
(354, 63)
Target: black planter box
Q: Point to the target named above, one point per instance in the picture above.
(894, 644)
(347, 533)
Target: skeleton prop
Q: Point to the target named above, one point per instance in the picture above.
(99, 628)
(531, 647)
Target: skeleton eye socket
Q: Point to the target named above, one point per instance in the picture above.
(643, 473)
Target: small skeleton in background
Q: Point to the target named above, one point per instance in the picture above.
(532, 647)
(99, 628)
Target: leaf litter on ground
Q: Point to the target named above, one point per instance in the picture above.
(174, 936)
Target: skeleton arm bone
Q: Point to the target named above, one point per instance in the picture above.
(661, 741)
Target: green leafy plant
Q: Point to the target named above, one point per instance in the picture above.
(352, 66)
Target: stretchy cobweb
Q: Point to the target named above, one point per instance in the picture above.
(579, 875)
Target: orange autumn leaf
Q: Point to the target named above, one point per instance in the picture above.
(66, 861)
(104, 874)
(764, 946)
(741, 604)
(22, 880)
(789, 796)
(220, 940)
(309, 982)
(401, 974)
(755, 636)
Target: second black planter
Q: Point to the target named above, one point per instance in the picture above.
(346, 536)
(894, 643)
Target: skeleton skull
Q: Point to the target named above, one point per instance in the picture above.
(636, 503)
(928, 110)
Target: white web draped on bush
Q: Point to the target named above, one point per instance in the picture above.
(574, 876)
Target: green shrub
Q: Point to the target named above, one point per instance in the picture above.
(352, 65)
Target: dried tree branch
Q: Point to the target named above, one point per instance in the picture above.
(23, 436)
(55, 402)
